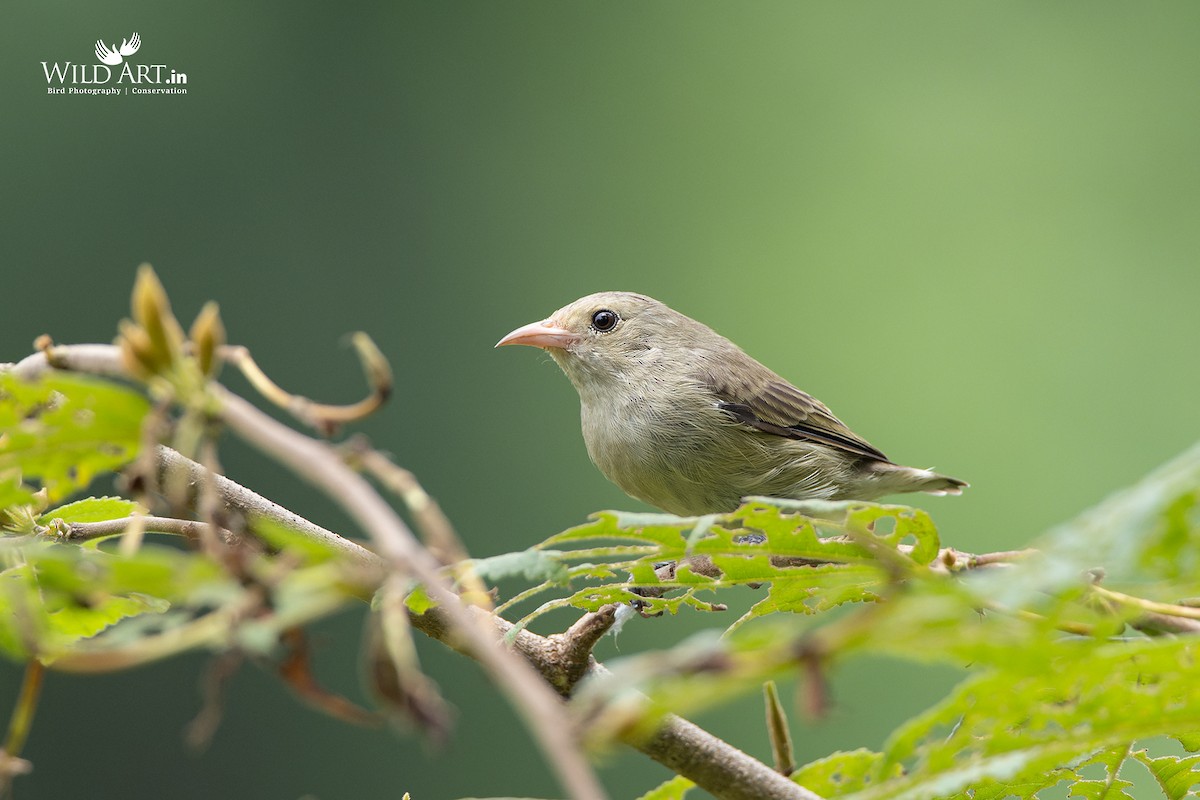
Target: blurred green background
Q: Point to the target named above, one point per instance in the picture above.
(971, 228)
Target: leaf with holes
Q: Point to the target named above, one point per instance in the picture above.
(64, 430)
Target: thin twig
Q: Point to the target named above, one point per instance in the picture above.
(87, 531)
(321, 416)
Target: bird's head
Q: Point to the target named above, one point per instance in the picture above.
(610, 337)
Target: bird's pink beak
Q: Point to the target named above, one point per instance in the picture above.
(541, 334)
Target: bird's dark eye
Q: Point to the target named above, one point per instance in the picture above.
(605, 320)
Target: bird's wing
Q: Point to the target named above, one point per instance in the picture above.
(106, 55)
(131, 45)
(775, 406)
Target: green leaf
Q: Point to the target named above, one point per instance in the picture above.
(1015, 790)
(664, 530)
(1101, 789)
(843, 772)
(65, 429)
(89, 609)
(92, 509)
(44, 621)
(815, 556)
(419, 601)
(58, 595)
(1177, 776)
(814, 589)
(888, 525)
(1017, 727)
(77, 622)
(674, 789)
(1111, 786)
(532, 565)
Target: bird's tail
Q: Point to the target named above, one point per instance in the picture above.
(895, 478)
(934, 483)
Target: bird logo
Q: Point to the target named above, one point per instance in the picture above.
(115, 55)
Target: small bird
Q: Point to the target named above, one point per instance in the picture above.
(680, 417)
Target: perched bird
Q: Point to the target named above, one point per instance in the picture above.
(680, 417)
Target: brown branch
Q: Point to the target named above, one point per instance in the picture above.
(716, 766)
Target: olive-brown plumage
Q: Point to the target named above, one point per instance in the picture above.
(680, 417)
